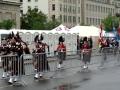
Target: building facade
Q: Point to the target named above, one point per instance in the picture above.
(42, 5)
(10, 10)
(67, 11)
(96, 10)
(83, 12)
(73, 12)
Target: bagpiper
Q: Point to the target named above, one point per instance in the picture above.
(4, 49)
(61, 49)
(40, 61)
(86, 50)
(15, 62)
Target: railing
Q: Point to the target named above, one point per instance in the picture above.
(39, 63)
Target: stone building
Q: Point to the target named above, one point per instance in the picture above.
(10, 9)
(73, 12)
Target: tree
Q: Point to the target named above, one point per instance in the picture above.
(52, 24)
(33, 19)
(7, 24)
(37, 20)
(110, 22)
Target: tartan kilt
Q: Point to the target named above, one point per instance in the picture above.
(17, 66)
(41, 62)
(5, 64)
(86, 57)
(61, 55)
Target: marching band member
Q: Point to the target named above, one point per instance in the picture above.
(16, 64)
(40, 59)
(86, 53)
(61, 49)
(5, 51)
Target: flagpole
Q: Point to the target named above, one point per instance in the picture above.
(101, 31)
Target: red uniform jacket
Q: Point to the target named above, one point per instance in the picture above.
(85, 48)
(61, 48)
(40, 48)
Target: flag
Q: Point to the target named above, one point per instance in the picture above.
(115, 33)
(101, 28)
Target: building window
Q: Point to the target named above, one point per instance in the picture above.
(90, 7)
(64, 18)
(78, 9)
(61, 18)
(113, 11)
(87, 20)
(53, 7)
(104, 9)
(29, 7)
(74, 10)
(36, 7)
(90, 20)
(108, 10)
(60, 7)
(21, 11)
(64, 8)
(29, 0)
(74, 19)
(79, 19)
(101, 9)
(98, 8)
(69, 19)
(87, 7)
(21, 0)
(99, 21)
(36, 0)
(93, 8)
(70, 8)
(53, 17)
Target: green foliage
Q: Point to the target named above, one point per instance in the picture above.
(52, 24)
(7, 24)
(110, 22)
(36, 20)
(33, 19)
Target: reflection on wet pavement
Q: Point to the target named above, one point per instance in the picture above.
(66, 87)
(70, 86)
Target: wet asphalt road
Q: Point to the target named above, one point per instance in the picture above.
(107, 78)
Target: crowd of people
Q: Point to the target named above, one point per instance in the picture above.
(107, 42)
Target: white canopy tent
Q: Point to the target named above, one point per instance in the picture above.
(86, 30)
(29, 31)
(109, 34)
(60, 29)
(2, 31)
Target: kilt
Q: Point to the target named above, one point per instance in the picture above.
(61, 56)
(5, 64)
(41, 62)
(86, 57)
(17, 66)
